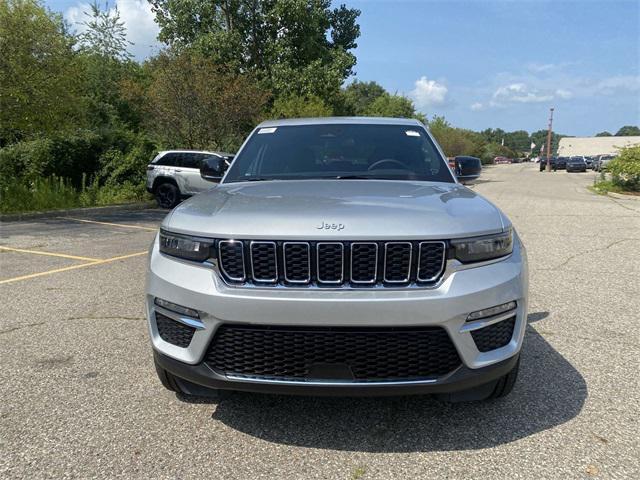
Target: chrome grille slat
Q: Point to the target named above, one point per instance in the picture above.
(264, 261)
(429, 260)
(364, 274)
(331, 264)
(231, 253)
(397, 263)
(297, 269)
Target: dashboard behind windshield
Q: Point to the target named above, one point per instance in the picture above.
(340, 151)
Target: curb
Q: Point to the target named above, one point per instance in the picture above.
(623, 196)
(13, 217)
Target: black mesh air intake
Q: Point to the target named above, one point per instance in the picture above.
(322, 353)
(494, 336)
(174, 332)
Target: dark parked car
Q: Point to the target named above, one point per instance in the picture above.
(543, 164)
(561, 162)
(589, 161)
(467, 169)
(576, 164)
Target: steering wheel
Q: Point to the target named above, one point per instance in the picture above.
(374, 165)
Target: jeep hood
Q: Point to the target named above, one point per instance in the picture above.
(340, 209)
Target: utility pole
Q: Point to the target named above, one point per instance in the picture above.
(549, 141)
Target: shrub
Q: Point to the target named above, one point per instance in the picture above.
(625, 169)
(67, 157)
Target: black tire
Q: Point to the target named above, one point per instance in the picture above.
(186, 390)
(168, 381)
(167, 195)
(489, 391)
(505, 384)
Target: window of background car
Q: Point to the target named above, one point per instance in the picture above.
(168, 160)
(192, 160)
(390, 152)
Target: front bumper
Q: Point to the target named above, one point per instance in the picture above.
(462, 291)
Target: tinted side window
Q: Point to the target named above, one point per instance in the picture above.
(192, 160)
(169, 160)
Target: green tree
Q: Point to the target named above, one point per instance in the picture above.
(194, 103)
(294, 47)
(456, 141)
(518, 141)
(539, 137)
(299, 107)
(105, 33)
(628, 131)
(39, 81)
(360, 95)
(388, 105)
(604, 134)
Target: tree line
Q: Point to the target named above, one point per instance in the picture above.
(78, 106)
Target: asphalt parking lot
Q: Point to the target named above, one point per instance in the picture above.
(80, 398)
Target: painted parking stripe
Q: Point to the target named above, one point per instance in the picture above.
(73, 267)
(51, 254)
(110, 224)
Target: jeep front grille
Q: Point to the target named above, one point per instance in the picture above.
(331, 264)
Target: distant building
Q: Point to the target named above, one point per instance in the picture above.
(594, 145)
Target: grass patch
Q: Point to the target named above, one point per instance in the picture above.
(605, 186)
(55, 193)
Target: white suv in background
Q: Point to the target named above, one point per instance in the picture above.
(175, 174)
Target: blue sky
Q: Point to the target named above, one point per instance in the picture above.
(485, 63)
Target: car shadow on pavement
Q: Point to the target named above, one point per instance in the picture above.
(549, 392)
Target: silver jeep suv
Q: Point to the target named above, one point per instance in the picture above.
(175, 174)
(338, 256)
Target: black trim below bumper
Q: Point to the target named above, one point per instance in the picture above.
(201, 375)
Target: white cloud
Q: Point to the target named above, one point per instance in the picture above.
(476, 106)
(138, 19)
(519, 93)
(428, 93)
(541, 67)
(563, 94)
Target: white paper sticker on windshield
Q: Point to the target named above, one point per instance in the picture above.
(412, 133)
(267, 130)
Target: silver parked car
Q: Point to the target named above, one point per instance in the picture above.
(175, 174)
(338, 256)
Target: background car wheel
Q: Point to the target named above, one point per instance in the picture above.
(167, 195)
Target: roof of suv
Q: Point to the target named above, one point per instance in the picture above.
(340, 120)
(223, 154)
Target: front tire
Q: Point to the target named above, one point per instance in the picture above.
(167, 195)
(189, 391)
(489, 391)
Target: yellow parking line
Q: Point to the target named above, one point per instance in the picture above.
(109, 224)
(73, 267)
(51, 254)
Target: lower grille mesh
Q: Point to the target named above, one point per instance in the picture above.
(351, 354)
(494, 336)
(174, 332)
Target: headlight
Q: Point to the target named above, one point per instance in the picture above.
(184, 246)
(479, 249)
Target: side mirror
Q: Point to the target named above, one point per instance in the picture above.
(213, 168)
(467, 169)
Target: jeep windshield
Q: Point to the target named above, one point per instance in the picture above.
(340, 152)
